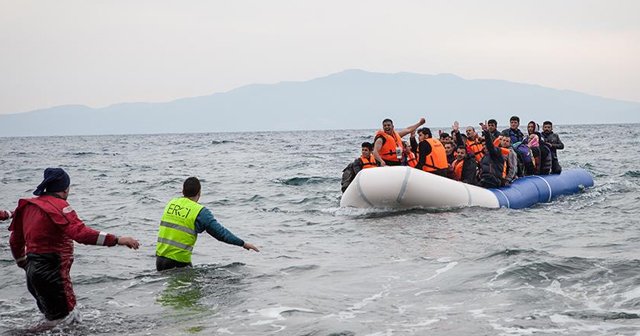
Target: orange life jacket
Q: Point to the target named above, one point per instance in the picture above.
(505, 155)
(457, 169)
(437, 159)
(369, 162)
(477, 149)
(390, 146)
(412, 161)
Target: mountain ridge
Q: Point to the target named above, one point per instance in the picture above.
(350, 99)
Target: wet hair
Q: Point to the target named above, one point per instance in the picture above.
(426, 131)
(388, 120)
(492, 121)
(367, 144)
(516, 118)
(191, 187)
(547, 122)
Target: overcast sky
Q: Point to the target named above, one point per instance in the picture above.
(98, 53)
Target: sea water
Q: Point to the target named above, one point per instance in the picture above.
(570, 267)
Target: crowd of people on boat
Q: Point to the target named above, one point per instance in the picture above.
(485, 157)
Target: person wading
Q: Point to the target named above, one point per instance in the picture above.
(182, 220)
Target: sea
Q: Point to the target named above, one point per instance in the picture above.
(569, 267)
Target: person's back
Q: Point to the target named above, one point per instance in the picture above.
(182, 220)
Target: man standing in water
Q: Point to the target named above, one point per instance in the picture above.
(42, 234)
(183, 218)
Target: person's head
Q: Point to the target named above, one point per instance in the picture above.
(461, 152)
(449, 147)
(505, 141)
(56, 180)
(547, 127)
(471, 132)
(367, 148)
(514, 122)
(387, 126)
(424, 133)
(532, 127)
(406, 147)
(191, 188)
(492, 125)
(444, 137)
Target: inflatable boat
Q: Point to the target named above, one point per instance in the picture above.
(405, 187)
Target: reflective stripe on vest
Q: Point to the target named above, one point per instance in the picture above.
(177, 234)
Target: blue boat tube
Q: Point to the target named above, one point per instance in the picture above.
(529, 190)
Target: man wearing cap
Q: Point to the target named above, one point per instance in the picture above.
(42, 234)
(183, 218)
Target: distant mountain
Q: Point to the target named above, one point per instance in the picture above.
(352, 99)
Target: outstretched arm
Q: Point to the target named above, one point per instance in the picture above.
(206, 222)
(377, 145)
(412, 128)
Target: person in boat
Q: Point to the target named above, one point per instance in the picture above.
(366, 159)
(387, 145)
(511, 157)
(42, 234)
(540, 150)
(409, 157)
(554, 142)
(474, 143)
(5, 214)
(444, 136)
(458, 139)
(465, 166)
(450, 149)
(492, 125)
(514, 131)
(432, 157)
(493, 167)
(182, 220)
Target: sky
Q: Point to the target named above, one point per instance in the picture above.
(102, 52)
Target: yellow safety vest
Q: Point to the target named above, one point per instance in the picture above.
(177, 234)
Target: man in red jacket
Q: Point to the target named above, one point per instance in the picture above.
(42, 234)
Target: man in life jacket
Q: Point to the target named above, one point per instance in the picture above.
(183, 218)
(554, 142)
(387, 145)
(465, 167)
(432, 157)
(366, 159)
(474, 143)
(493, 167)
(42, 234)
(514, 131)
(409, 157)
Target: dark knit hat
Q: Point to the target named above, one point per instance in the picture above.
(55, 179)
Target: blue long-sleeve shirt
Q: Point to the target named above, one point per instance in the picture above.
(206, 222)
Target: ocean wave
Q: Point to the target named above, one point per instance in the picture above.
(221, 142)
(299, 181)
(631, 173)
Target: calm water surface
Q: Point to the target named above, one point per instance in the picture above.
(571, 267)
